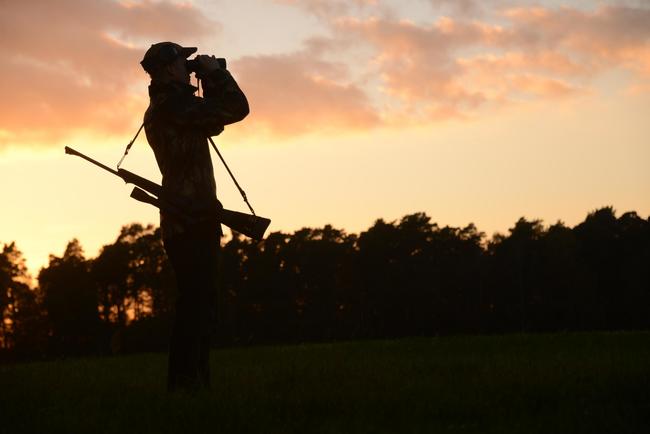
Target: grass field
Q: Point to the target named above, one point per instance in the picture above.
(564, 383)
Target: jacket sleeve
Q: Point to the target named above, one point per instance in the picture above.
(223, 103)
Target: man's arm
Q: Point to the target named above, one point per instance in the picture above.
(223, 103)
(219, 85)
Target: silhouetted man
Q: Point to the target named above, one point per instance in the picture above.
(177, 124)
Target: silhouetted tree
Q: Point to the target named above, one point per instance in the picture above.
(634, 277)
(559, 280)
(598, 242)
(70, 301)
(401, 278)
(419, 279)
(515, 276)
(380, 280)
(317, 258)
(110, 274)
(20, 314)
(135, 288)
(614, 255)
(455, 260)
(133, 277)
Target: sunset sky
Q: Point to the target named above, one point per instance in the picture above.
(470, 111)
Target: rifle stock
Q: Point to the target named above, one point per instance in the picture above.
(247, 224)
(149, 192)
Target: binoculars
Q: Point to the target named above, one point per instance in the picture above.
(193, 64)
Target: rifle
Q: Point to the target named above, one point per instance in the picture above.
(149, 192)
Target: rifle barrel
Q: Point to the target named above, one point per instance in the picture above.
(69, 150)
(148, 186)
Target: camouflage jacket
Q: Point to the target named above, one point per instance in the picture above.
(177, 124)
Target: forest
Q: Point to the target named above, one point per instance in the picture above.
(409, 277)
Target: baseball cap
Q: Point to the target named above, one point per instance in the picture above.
(164, 53)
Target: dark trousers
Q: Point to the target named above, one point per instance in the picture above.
(194, 257)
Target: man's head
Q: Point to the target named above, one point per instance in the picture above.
(165, 61)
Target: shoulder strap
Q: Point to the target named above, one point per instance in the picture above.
(128, 147)
(241, 190)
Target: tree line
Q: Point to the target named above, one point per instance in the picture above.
(409, 277)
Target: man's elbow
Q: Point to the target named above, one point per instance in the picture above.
(236, 111)
(244, 110)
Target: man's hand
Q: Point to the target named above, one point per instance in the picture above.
(207, 63)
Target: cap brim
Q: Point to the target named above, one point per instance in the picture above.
(187, 51)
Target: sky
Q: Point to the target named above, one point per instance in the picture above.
(470, 111)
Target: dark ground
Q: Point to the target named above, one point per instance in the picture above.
(555, 383)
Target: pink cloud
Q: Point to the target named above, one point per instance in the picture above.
(74, 64)
(450, 68)
(328, 9)
(455, 66)
(69, 65)
(298, 93)
(607, 37)
(541, 86)
(546, 61)
(418, 65)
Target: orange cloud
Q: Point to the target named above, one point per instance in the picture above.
(297, 93)
(544, 61)
(602, 32)
(450, 68)
(417, 63)
(69, 65)
(73, 64)
(542, 86)
(454, 66)
(329, 9)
